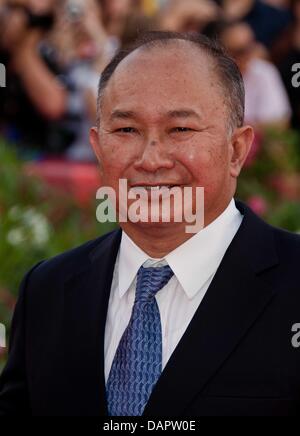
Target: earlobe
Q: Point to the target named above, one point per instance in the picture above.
(241, 145)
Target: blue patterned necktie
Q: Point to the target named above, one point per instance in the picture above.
(137, 364)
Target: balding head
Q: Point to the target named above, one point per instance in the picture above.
(185, 47)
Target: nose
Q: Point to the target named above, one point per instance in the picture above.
(154, 157)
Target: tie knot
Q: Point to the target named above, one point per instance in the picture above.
(151, 280)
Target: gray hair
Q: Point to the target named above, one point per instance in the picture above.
(224, 66)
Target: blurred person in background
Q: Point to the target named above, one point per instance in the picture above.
(124, 20)
(136, 24)
(267, 21)
(188, 15)
(266, 99)
(279, 3)
(33, 96)
(48, 99)
(84, 49)
(291, 58)
(115, 15)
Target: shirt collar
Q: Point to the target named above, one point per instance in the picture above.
(130, 259)
(193, 262)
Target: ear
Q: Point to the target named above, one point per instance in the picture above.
(242, 140)
(95, 143)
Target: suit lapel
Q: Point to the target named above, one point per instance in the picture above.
(85, 307)
(235, 299)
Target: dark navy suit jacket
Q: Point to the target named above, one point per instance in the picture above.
(235, 358)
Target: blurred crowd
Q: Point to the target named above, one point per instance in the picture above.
(54, 52)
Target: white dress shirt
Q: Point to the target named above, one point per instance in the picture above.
(194, 264)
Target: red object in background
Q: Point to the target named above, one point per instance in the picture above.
(81, 180)
(258, 204)
(287, 186)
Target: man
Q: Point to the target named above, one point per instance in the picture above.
(266, 101)
(152, 320)
(267, 21)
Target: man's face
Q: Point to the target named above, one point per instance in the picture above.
(164, 121)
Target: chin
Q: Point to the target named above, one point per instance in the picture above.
(161, 226)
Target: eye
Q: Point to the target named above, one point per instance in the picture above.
(126, 130)
(182, 129)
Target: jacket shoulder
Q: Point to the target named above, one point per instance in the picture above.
(287, 243)
(287, 247)
(67, 263)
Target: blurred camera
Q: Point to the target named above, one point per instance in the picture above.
(40, 21)
(44, 22)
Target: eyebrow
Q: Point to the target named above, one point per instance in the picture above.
(183, 113)
(178, 113)
(122, 115)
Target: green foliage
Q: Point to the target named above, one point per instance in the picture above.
(36, 223)
(271, 180)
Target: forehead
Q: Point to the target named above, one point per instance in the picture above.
(174, 75)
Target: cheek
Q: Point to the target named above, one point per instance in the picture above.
(208, 164)
(116, 158)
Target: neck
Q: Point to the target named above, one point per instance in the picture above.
(157, 241)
